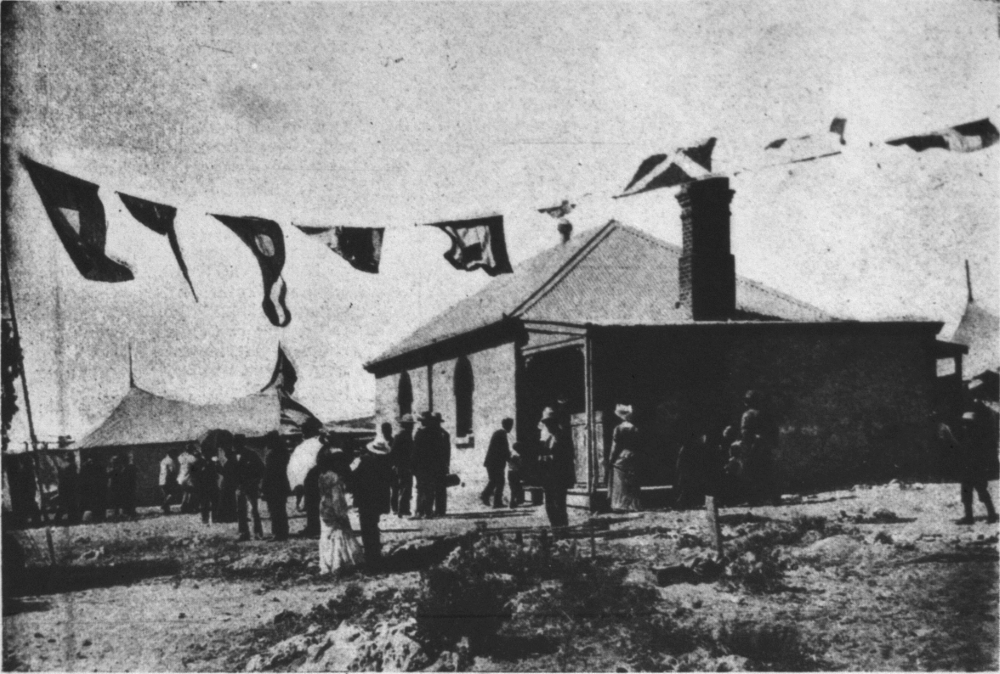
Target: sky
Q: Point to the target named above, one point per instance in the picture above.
(394, 114)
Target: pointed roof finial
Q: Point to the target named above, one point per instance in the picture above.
(968, 281)
(131, 376)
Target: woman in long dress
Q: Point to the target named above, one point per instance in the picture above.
(623, 461)
(339, 550)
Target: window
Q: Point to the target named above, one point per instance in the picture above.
(404, 397)
(464, 386)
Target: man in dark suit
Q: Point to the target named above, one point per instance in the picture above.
(402, 458)
(275, 488)
(249, 471)
(497, 455)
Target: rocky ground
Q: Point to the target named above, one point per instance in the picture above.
(872, 578)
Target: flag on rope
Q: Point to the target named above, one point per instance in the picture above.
(477, 243)
(160, 219)
(970, 137)
(809, 147)
(360, 246)
(559, 212)
(265, 239)
(296, 418)
(683, 165)
(284, 376)
(77, 215)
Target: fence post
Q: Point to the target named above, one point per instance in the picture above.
(593, 541)
(712, 510)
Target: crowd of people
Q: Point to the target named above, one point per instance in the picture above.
(224, 479)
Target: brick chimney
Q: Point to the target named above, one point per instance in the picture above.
(707, 267)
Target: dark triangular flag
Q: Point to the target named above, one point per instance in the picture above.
(284, 377)
(477, 244)
(360, 246)
(970, 137)
(559, 212)
(265, 239)
(809, 147)
(683, 165)
(160, 219)
(296, 418)
(77, 215)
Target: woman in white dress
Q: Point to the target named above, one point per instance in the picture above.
(339, 551)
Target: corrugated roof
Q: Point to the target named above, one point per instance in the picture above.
(610, 275)
(144, 418)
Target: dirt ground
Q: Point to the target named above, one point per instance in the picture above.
(889, 583)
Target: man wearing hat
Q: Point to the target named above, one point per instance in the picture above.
(556, 470)
(402, 468)
(372, 481)
(426, 442)
(976, 452)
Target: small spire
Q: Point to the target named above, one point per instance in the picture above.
(131, 376)
(968, 281)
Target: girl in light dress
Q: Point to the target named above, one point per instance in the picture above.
(339, 550)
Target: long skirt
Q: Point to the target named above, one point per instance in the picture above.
(339, 550)
(624, 491)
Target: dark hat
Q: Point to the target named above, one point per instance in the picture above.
(425, 417)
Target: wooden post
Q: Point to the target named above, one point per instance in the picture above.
(712, 510)
(544, 540)
(52, 547)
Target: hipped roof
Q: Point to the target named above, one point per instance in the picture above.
(614, 274)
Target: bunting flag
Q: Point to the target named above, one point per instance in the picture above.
(296, 418)
(477, 244)
(160, 219)
(265, 239)
(360, 246)
(683, 165)
(970, 137)
(77, 215)
(284, 376)
(809, 147)
(559, 212)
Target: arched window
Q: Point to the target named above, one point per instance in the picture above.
(404, 398)
(463, 397)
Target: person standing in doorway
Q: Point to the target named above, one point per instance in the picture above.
(69, 496)
(623, 463)
(274, 487)
(514, 467)
(402, 467)
(249, 471)
(497, 455)
(556, 470)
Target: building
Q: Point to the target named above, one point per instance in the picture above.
(615, 315)
(147, 425)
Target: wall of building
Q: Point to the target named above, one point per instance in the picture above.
(851, 406)
(493, 372)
